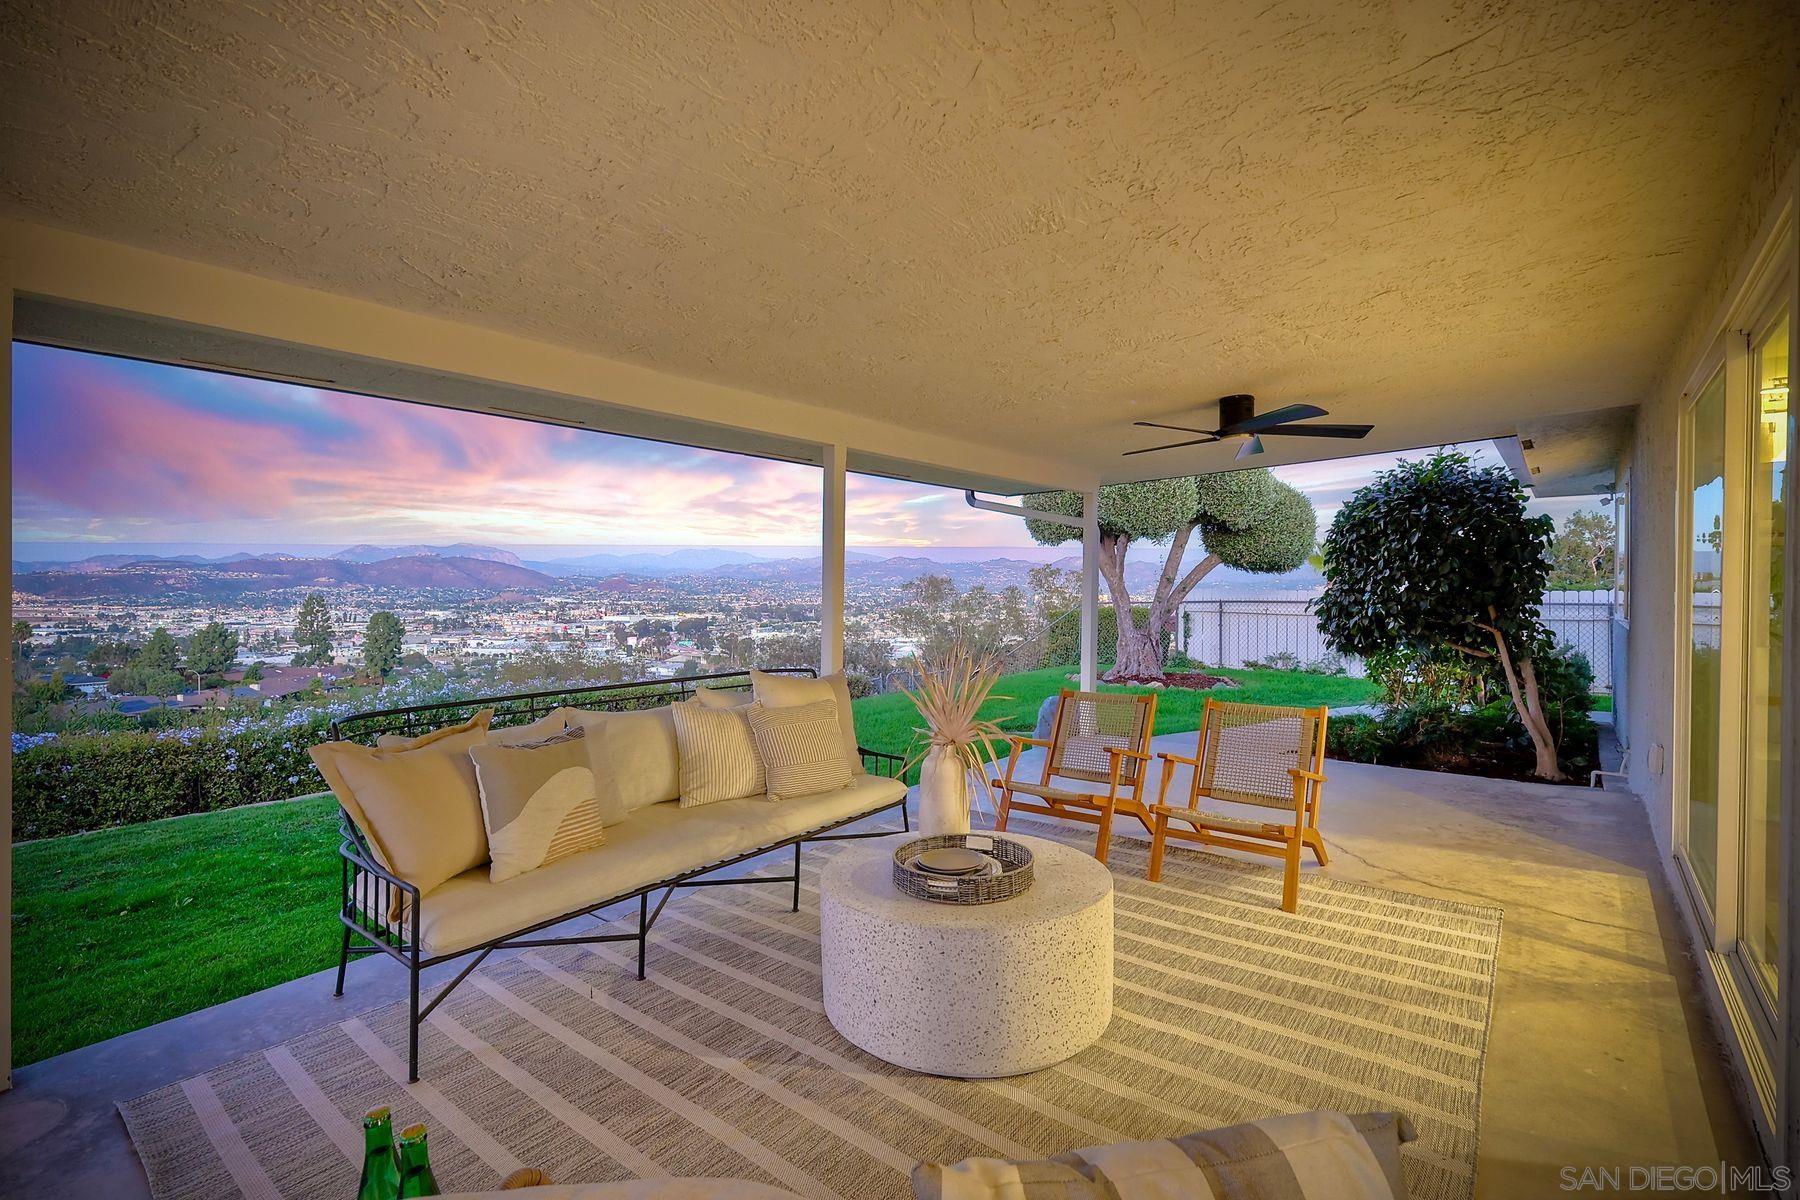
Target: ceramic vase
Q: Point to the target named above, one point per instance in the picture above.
(943, 793)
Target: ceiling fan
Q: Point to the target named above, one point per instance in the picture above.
(1238, 419)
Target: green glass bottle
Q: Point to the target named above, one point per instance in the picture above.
(380, 1173)
(416, 1178)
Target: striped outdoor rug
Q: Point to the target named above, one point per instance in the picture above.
(722, 1063)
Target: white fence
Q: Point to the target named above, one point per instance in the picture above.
(1234, 631)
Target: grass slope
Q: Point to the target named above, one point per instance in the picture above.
(119, 929)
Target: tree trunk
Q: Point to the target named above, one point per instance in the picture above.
(1139, 655)
(1521, 683)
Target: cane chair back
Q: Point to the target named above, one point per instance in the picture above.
(1089, 722)
(1246, 751)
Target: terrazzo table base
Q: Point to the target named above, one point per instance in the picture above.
(969, 991)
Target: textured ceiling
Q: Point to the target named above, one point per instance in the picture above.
(1032, 223)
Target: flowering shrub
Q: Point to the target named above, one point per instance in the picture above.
(72, 782)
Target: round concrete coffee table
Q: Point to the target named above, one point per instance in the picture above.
(970, 991)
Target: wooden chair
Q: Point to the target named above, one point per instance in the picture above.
(1097, 738)
(1250, 754)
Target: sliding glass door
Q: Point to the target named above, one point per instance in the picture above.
(1705, 558)
(1770, 497)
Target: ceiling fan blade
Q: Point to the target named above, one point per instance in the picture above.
(1205, 441)
(1333, 431)
(1176, 428)
(1262, 421)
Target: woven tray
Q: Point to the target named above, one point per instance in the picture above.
(1012, 879)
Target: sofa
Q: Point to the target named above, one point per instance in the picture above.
(654, 844)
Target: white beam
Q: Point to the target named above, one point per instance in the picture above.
(831, 562)
(1090, 590)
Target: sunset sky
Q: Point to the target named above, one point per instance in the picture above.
(112, 452)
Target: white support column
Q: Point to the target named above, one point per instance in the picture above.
(1090, 589)
(831, 563)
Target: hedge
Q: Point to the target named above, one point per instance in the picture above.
(75, 782)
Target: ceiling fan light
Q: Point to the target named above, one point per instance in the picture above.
(1252, 446)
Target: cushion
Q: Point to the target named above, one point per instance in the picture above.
(658, 841)
(547, 726)
(635, 759)
(477, 723)
(786, 691)
(537, 802)
(420, 809)
(712, 697)
(802, 748)
(1306, 1156)
(718, 754)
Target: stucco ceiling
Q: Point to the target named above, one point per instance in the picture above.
(1030, 223)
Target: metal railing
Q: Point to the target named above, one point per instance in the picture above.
(1281, 631)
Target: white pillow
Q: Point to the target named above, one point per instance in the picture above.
(634, 755)
(801, 750)
(547, 726)
(786, 691)
(710, 697)
(718, 754)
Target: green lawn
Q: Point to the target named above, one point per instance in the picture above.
(119, 929)
(887, 722)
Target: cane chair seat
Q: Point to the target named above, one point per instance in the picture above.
(1201, 817)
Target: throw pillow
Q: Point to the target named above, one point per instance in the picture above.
(537, 802)
(718, 697)
(802, 749)
(635, 759)
(419, 809)
(718, 754)
(470, 732)
(545, 727)
(1306, 1156)
(786, 691)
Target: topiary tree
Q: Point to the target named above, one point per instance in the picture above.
(1439, 554)
(1246, 519)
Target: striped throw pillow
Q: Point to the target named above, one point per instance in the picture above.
(718, 753)
(538, 802)
(802, 748)
(1307, 1156)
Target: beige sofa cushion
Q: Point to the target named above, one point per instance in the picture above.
(640, 1189)
(718, 754)
(786, 691)
(801, 748)
(658, 841)
(1303, 1156)
(420, 808)
(710, 697)
(634, 755)
(545, 727)
(538, 803)
(476, 724)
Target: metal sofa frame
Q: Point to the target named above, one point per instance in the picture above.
(369, 888)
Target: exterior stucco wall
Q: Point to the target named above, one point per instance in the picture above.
(1657, 494)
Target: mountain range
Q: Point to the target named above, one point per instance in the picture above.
(489, 569)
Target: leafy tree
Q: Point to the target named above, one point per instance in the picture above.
(1246, 519)
(313, 632)
(381, 643)
(212, 649)
(21, 638)
(1581, 557)
(253, 672)
(107, 655)
(1439, 554)
(153, 671)
(159, 653)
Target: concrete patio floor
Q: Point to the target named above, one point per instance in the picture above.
(1601, 1051)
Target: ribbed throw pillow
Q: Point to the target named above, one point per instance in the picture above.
(718, 754)
(719, 697)
(786, 691)
(802, 749)
(538, 803)
(1306, 1156)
